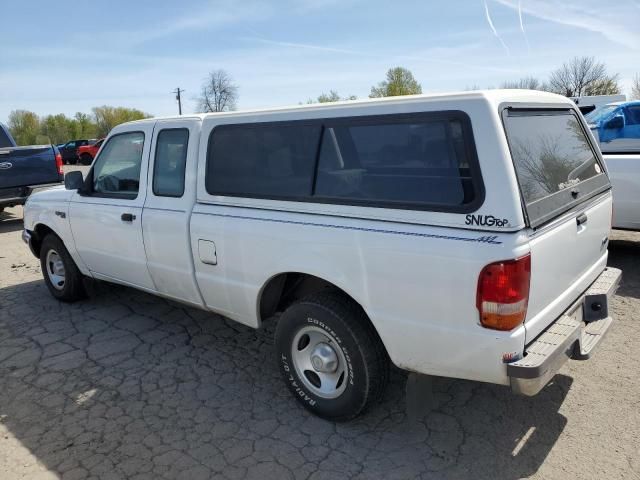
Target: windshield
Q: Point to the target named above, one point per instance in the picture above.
(600, 113)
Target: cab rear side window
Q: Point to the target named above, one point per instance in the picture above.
(170, 162)
(422, 161)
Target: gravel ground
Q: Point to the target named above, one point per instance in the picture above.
(127, 385)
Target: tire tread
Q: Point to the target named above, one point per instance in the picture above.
(354, 319)
(74, 288)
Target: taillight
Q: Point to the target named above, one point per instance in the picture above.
(503, 293)
(59, 163)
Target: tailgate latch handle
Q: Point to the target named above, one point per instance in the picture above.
(582, 218)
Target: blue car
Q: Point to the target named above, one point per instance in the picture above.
(616, 126)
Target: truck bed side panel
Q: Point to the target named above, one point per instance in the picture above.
(400, 274)
(27, 166)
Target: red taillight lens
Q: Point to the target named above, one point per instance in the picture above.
(59, 163)
(503, 293)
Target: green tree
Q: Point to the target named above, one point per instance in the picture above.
(85, 126)
(399, 81)
(332, 96)
(24, 126)
(56, 128)
(107, 117)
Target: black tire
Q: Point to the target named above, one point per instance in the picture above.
(85, 159)
(366, 369)
(72, 288)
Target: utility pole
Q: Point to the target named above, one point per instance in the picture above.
(178, 91)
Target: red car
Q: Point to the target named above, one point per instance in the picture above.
(86, 153)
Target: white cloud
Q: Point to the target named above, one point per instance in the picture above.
(617, 21)
(493, 28)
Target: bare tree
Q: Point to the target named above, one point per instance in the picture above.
(635, 87)
(218, 93)
(525, 83)
(583, 76)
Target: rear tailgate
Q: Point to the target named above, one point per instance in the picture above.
(567, 200)
(28, 166)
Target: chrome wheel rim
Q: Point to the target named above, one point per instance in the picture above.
(55, 269)
(319, 362)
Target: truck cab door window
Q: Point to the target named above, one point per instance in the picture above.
(116, 172)
(170, 160)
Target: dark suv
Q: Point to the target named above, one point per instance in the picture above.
(69, 150)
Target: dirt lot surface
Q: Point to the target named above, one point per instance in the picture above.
(126, 385)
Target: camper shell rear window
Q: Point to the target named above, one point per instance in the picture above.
(556, 164)
(423, 161)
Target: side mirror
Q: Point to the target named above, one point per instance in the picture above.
(73, 180)
(615, 123)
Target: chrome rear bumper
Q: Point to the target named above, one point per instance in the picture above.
(576, 334)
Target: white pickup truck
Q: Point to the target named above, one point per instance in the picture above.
(460, 235)
(616, 126)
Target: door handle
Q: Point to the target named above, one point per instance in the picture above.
(582, 218)
(127, 217)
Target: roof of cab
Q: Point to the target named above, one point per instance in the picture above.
(495, 97)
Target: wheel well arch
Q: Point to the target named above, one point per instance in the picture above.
(39, 232)
(285, 288)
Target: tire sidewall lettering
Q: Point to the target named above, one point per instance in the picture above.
(345, 351)
(292, 380)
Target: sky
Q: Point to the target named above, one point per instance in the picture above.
(66, 56)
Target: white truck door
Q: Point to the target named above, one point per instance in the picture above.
(167, 209)
(106, 220)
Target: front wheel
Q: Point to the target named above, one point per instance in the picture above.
(330, 356)
(61, 275)
(85, 159)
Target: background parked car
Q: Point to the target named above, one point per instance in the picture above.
(86, 153)
(69, 150)
(589, 103)
(616, 126)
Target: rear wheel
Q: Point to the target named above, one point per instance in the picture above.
(330, 356)
(61, 275)
(85, 159)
